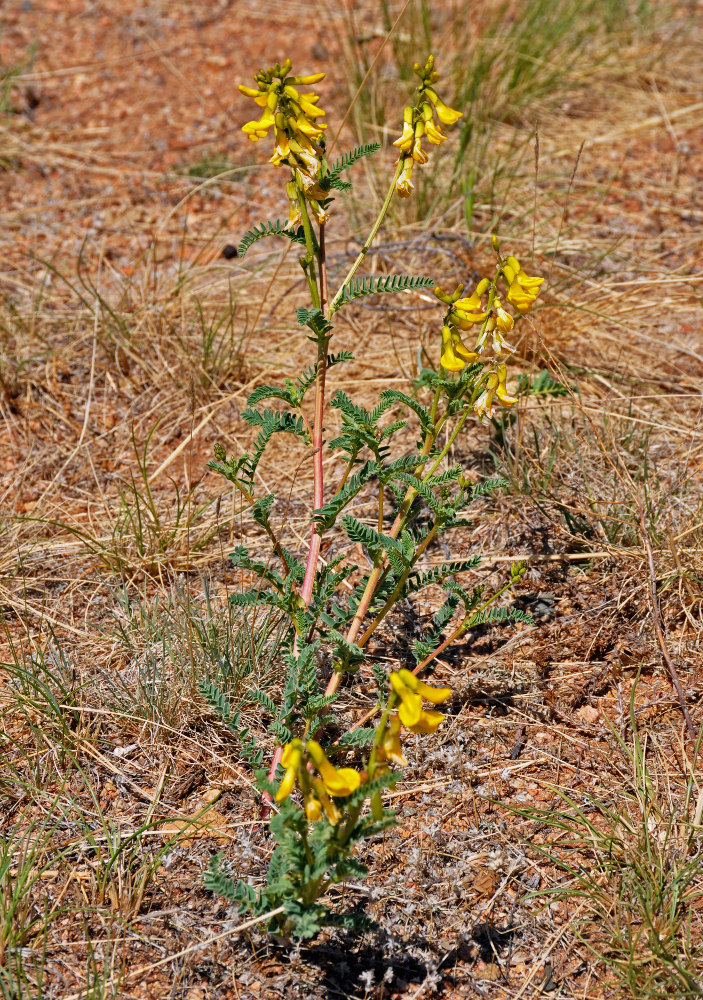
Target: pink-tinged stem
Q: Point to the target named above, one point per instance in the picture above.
(318, 494)
(318, 481)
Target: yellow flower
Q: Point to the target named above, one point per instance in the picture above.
(446, 297)
(411, 691)
(468, 303)
(260, 129)
(258, 95)
(404, 184)
(484, 403)
(305, 154)
(501, 389)
(308, 81)
(428, 721)
(523, 288)
(465, 320)
(447, 115)
(504, 321)
(521, 299)
(313, 806)
(500, 344)
(306, 102)
(282, 149)
(406, 139)
(449, 359)
(302, 125)
(331, 811)
(460, 348)
(434, 134)
(390, 748)
(291, 759)
(419, 155)
(337, 781)
(294, 216)
(322, 216)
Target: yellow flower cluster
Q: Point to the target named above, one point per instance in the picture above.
(299, 137)
(317, 791)
(419, 124)
(410, 692)
(493, 321)
(301, 760)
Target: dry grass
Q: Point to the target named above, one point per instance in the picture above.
(128, 346)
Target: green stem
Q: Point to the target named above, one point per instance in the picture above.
(370, 238)
(342, 481)
(450, 442)
(308, 262)
(398, 589)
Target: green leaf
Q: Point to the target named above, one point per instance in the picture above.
(325, 517)
(260, 509)
(246, 600)
(348, 653)
(396, 396)
(418, 581)
(219, 702)
(271, 392)
(487, 486)
(359, 287)
(433, 635)
(349, 158)
(270, 229)
(500, 615)
(316, 321)
(433, 502)
(448, 476)
(357, 738)
(271, 422)
(240, 560)
(372, 540)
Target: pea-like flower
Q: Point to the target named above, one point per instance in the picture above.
(291, 759)
(447, 115)
(411, 691)
(449, 359)
(484, 403)
(320, 794)
(404, 185)
(418, 123)
(340, 781)
(390, 748)
(504, 321)
(464, 314)
(260, 128)
(501, 390)
(434, 134)
(523, 289)
(405, 141)
(313, 806)
(495, 387)
(455, 353)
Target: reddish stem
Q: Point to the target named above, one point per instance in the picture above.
(318, 495)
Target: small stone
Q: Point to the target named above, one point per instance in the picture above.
(588, 714)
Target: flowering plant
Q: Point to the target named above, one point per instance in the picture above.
(323, 807)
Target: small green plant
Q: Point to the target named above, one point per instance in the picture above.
(634, 874)
(418, 496)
